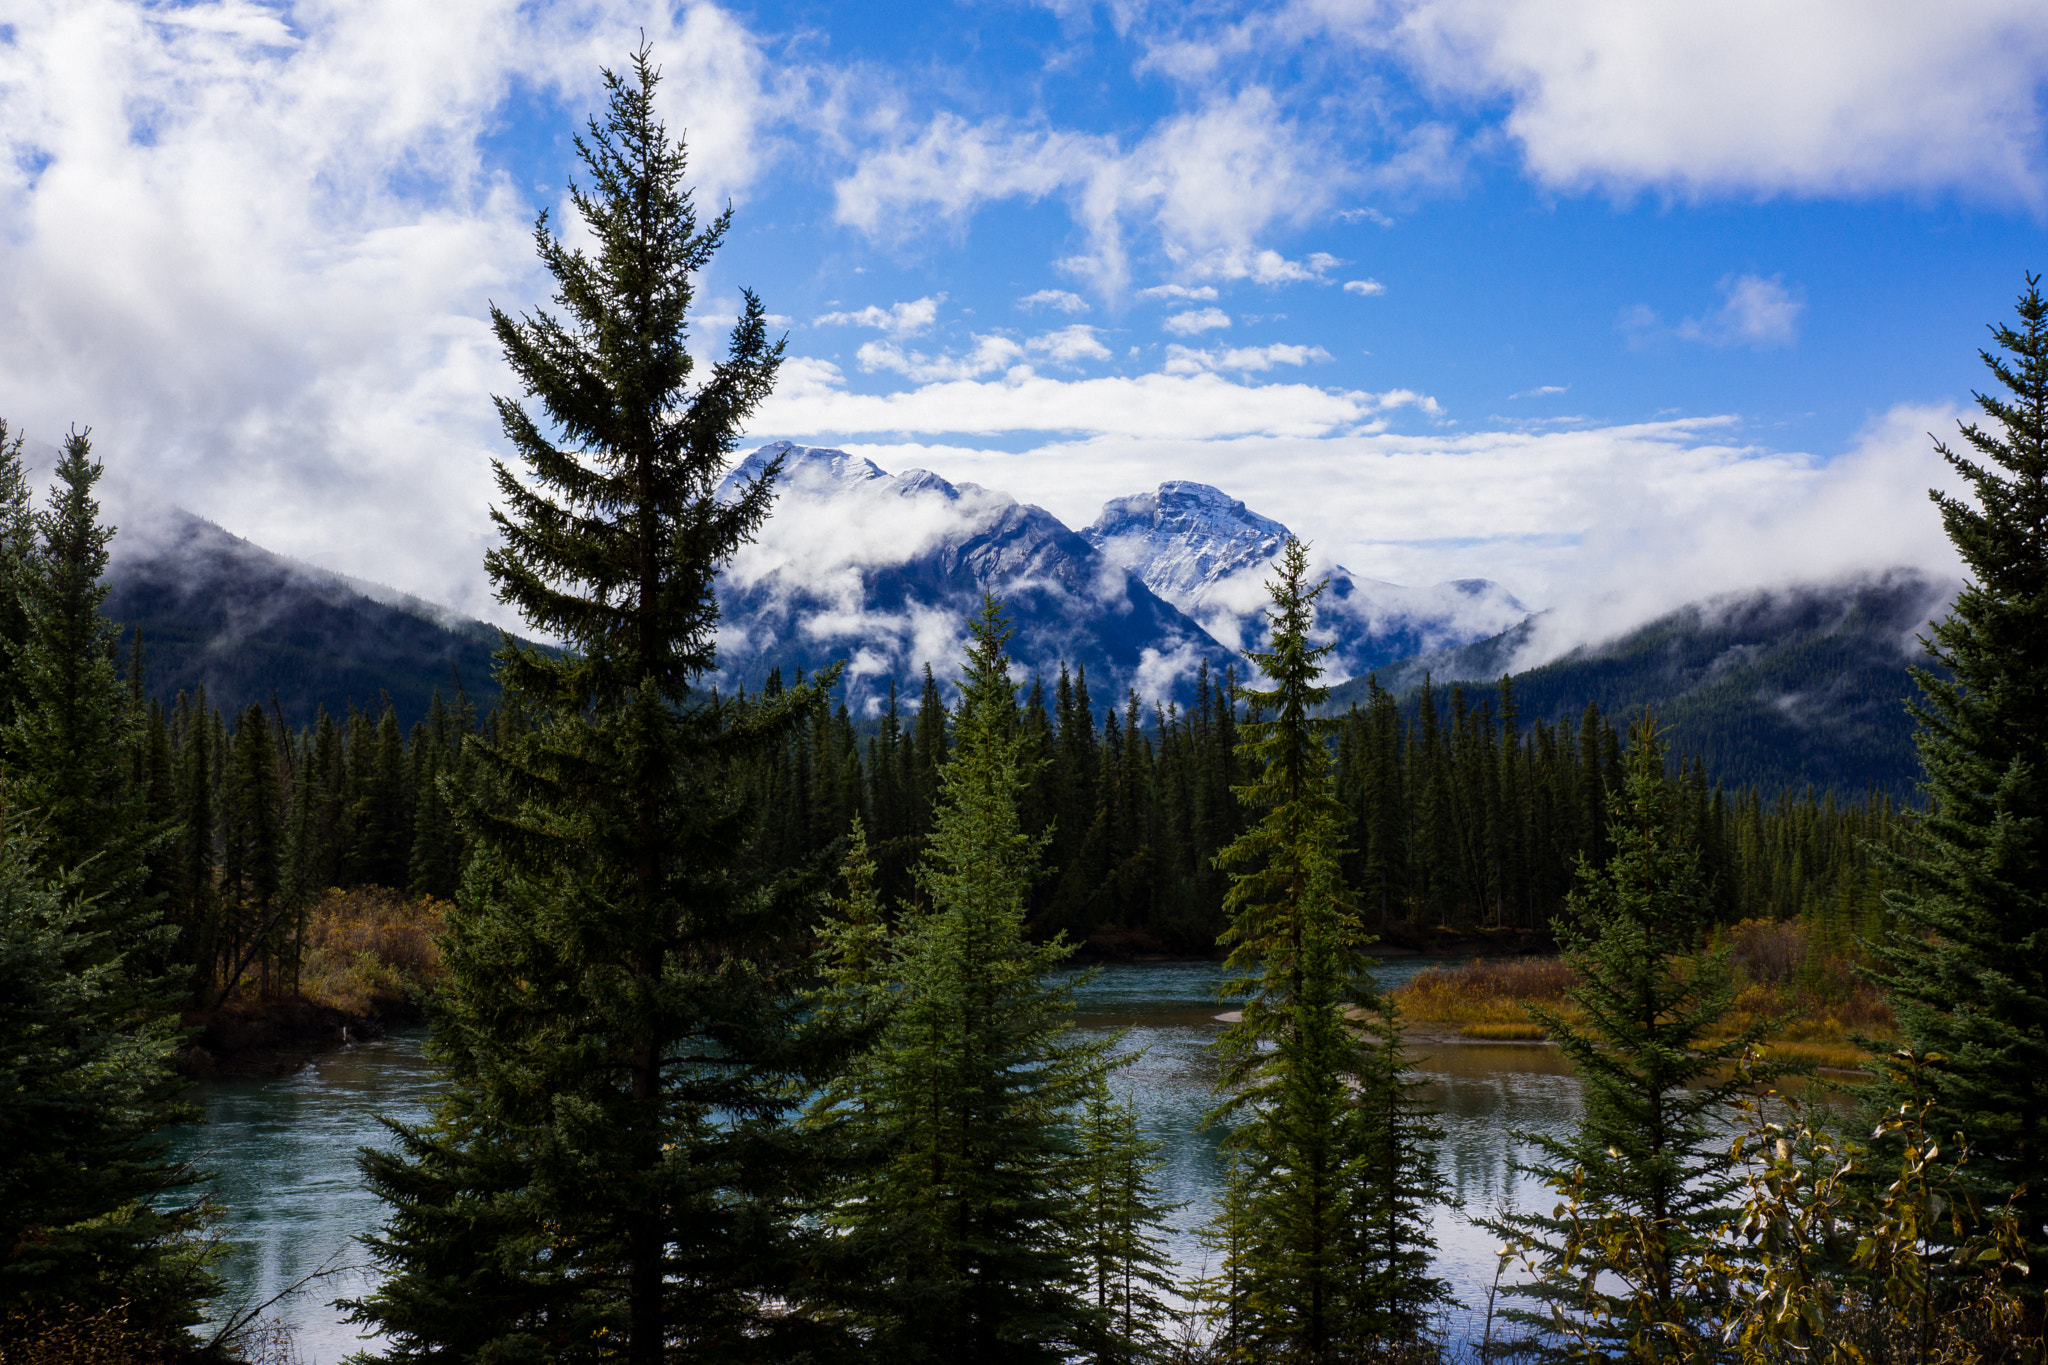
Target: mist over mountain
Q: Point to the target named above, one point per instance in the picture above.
(882, 570)
(1804, 684)
(1210, 555)
(249, 625)
(1799, 685)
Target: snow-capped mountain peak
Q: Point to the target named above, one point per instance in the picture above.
(1211, 556)
(1185, 536)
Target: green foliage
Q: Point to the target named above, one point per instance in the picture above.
(612, 1170)
(90, 1209)
(72, 736)
(1326, 1246)
(1642, 1182)
(963, 1212)
(1967, 965)
(1845, 1252)
(1120, 1211)
(17, 550)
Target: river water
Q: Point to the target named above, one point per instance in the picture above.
(283, 1151)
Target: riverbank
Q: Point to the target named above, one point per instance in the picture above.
(371, 962)
(1812, 998)
(1106, 946)
(256, 1039)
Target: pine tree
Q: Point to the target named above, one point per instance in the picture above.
(92, 1213)
(75, 729)
(965, 1216)
(612, 1171)
(1388, 1240)
(1128, 1266)
(1645, 1179)
(1308, 1097)
(17, 550)
(1966, 966)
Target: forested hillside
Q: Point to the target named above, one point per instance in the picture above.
(1781, 691)
(249, 626)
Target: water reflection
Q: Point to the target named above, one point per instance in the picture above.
(283, 1156)
(1482, 1093)
(284, 1150)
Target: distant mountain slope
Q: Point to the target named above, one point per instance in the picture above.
(1778, 689)
(883, 570)
(1210, 555)
(220, 612)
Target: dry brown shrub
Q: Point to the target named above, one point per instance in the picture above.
(1820, 995)
(1485, 990)
(372, 949)
(80, 1336)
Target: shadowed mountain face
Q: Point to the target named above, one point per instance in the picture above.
(1779, 689)
(221, 613)
(883, 570)
(1211, 556)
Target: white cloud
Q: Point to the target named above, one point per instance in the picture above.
(1068, 344)
(1540, 391)
(1203, 293)
(1755, 312)
(1611, 526)
(812, 401)
(898, 319)
(989, 353)
(1820, 97)
(1064, 346)
(1204, 184)
(255, 258)
(1365, 287)
(1196, 320)
(1183, 360)
(1058, 299)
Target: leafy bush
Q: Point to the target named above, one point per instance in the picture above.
(370, 951)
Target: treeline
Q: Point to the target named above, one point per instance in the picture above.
(261, 819)
(1458, 817)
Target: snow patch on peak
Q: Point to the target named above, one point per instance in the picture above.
(801, 464)
(1185, 537)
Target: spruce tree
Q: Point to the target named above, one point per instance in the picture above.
(611, 1173)
(74, 730)
(965, 1215)
(1645, 1178)
(17, 550)
(93, 1216)
(1307, 1094)
(92, 1209)
(1966, 965)
(1128, 1266)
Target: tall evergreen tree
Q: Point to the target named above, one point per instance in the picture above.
(91, 1204)
(1645, 1178)
(1307, 1094)
(1128, 1266)
(17, 550)
(609, 1172)
(966, 1215)
(1967, 964)
(75, 730)
(93, 1215)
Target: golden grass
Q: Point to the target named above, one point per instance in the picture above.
(1504, 1033)
(1834, 1056)
(1823, 1003)
(370, 950)
(1489, 992)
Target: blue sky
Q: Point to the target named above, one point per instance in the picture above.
(1615, 303)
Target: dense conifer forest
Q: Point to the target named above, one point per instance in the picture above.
(753, 1031)
(1458, 817)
